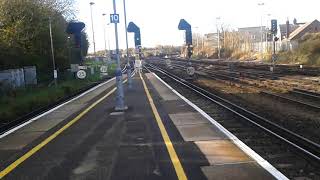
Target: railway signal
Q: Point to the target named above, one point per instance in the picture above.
(75, 29)
(132, 27)
(274, 26)
(274, 30)
(185, 26)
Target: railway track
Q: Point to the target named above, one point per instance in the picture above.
(223, 77)
(281, 69)
(258, 72)
(306, 93)
(293, 154)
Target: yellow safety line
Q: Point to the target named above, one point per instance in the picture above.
(15, 164)
(172, 153)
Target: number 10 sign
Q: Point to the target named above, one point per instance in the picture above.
(114, 18)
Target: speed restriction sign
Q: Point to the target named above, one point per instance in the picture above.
(103, 69)
(190, 71)
(81, 74)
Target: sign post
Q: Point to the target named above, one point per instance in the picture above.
(55, 73)
(120, 106)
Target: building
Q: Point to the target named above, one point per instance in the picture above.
(292, 42)
(254, 34)
(211, 40)
(287, 29)
(255, 39)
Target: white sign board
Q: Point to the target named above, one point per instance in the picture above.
(82, 67)
(104, 69)
(271, 69)
(81, 74)
(55, 74)
(138, 64)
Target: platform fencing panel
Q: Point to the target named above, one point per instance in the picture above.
(17, 78)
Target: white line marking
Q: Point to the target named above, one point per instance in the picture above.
(51, 110)
(262, 162)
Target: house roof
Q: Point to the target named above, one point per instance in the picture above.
(299, 30)
(292, 27)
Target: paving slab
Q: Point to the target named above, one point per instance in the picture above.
(17, 141)
(200, 132)
(243, 171)
(177, 106)
(165, 93)
(222, 152)
(188, 118)
(41, 125)
(70, 108)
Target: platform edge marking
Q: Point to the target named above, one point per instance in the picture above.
(53, 109)
(20, 160)
(172, 153)
(261, 161)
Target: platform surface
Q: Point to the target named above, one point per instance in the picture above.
(105, 144)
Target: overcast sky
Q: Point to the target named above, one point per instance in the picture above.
(158, 19)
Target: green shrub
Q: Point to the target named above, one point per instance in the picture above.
(308, 51)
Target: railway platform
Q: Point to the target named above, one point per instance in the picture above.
(162, 135)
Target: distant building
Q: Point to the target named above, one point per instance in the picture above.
(254, 33)
(293, 41)
(287, 29)
(211, 40)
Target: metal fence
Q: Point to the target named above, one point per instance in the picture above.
(17, 78)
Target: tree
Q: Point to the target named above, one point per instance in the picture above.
(24, 32)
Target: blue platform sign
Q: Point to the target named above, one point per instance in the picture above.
(114, 18)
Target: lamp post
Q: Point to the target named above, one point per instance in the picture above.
(108, 34)
(104, 35)
(261, 31)
(120, 106)
(55, 73)
(197, 40)
(94, 42)
(127, 46)
(267, 32)
(218, 31)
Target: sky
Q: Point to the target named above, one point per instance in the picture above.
(158, 19)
